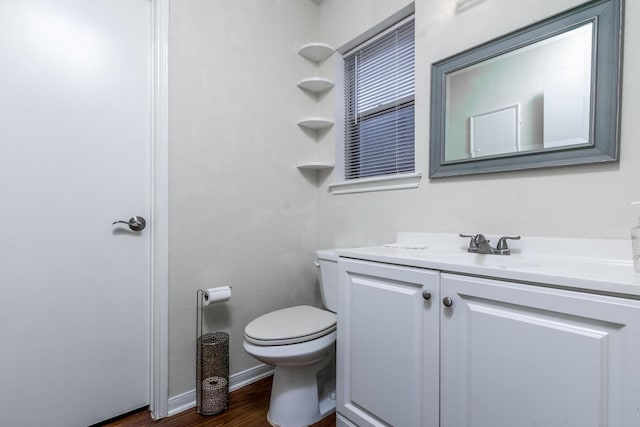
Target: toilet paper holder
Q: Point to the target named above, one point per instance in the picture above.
(212, 357)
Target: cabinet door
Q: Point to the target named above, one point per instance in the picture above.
(387, 345)
(523, 355)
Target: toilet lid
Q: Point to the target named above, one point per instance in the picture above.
(290, 325)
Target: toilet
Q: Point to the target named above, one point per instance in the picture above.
(300, 343)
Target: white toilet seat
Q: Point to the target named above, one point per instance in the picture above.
(293, 355)
(291, 325)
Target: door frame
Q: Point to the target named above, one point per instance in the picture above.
(159, 292)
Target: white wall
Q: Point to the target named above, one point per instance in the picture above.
(241, 213)
(571, 201)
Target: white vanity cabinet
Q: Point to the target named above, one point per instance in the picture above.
(522, 355)
(387, 356)
(503, 354)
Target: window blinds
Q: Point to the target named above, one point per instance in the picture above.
(379, 106)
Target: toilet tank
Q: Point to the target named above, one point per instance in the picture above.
(327, 262)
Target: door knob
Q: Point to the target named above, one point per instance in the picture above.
(447, 301)
(426, 295)
(135, 223)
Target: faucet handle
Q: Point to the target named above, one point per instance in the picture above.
(502, 243)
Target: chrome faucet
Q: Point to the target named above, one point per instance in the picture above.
(480, 245)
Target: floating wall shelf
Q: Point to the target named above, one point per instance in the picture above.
(316, 52)
(316, 84)
(315, 123)
(315, 166)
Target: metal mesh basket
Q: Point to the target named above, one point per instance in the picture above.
(212, 373)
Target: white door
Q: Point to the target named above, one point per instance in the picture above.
(526, 356)
(74, 157)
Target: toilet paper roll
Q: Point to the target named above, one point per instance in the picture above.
(216, 295)
(214, 397)
(213, 384)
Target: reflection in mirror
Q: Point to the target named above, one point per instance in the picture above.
(533, 98)
(546, 95)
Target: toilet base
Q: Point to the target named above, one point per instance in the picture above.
(304, 375)
(296, 400)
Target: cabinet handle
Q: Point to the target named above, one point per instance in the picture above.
(426, 295)
(447, 301)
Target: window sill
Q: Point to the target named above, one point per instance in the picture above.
(378, 183)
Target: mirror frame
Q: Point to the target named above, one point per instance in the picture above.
(607, 18)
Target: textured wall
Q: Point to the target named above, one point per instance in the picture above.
(241, 213)
(571, 201)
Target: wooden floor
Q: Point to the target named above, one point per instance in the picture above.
(247, 407)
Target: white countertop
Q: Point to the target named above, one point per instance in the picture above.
(595, 265)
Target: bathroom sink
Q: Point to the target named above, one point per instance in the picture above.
(461, 257)
(568, 262)
(503, 261)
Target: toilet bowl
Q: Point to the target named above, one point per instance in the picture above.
(300, 343)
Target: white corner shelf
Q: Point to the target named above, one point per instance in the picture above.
(315, 166)
(315, 123)
(316, 52)
(316, 84)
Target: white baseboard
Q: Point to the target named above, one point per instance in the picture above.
(248, 376)
(343, 422)
(187, 400)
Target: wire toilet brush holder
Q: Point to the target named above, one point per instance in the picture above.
(212, 365)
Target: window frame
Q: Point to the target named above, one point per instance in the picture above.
(377, 182)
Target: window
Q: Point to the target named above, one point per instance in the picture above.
(379, 106)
